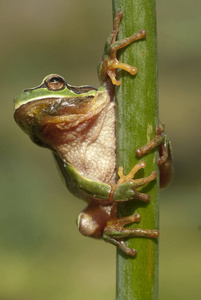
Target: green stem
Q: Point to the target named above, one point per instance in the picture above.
(137, 118)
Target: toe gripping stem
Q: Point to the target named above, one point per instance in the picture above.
(165, 154)
(115, 232)
(110, 62)
(160, 139)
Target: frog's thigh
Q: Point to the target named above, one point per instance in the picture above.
(92, 220)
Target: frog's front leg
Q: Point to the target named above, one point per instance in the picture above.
(165, 154)
(110, 63)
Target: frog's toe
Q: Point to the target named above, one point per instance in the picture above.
(142, 197)
(129, 251)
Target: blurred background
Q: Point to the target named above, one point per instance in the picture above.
(42, 254)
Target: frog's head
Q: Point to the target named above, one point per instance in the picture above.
(52, 86)
(54, 105)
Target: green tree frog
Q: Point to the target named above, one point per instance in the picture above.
(78, 124)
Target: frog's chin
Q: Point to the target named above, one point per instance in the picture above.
(53, 122)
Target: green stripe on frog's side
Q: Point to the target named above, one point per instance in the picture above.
(86, 187)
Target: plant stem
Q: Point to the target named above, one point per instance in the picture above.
(137, 118)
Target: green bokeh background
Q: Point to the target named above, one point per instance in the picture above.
(42, 254)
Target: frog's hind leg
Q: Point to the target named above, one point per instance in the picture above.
(127, 185)
(93, 219)
(115, 232)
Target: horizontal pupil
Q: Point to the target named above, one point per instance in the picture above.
(54, 79)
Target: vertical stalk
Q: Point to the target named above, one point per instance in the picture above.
(137, 118)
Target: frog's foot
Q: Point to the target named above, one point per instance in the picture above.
(127, 186)
(159, 139)
(165, 157)
(115, 233)
(109, 62)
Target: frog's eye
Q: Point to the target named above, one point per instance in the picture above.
(55, 82)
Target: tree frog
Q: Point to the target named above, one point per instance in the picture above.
(77, 123)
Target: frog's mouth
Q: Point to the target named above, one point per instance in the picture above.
(35, 116)
(51, 120)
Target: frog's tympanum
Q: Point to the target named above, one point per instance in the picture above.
(78, 124)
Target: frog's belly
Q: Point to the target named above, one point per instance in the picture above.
(93, 152)
(100, 159)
